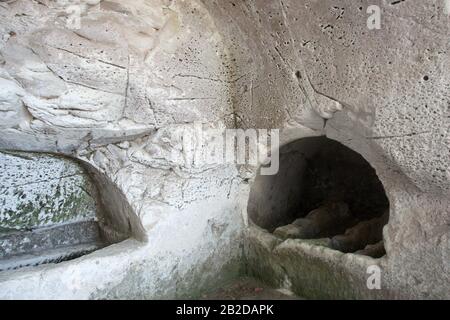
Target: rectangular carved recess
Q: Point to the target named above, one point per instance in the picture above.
(48, 210)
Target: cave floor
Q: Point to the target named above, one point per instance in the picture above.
(246, 288)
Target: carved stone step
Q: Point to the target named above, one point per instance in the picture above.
(48, 256)
(23, 242)
(52, 244)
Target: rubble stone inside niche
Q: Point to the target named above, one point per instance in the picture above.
(340, 202)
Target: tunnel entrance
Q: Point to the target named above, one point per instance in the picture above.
(326, 192)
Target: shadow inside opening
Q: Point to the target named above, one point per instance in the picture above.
(326, 192)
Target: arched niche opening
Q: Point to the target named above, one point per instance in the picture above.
(55, 208)
(323, 192)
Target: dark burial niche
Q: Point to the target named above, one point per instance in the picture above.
(324, 192)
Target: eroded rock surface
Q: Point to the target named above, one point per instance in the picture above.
(119, 91)
(41, 190)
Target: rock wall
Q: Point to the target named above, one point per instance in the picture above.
(314, 68)
(38, 191)
(120, 91)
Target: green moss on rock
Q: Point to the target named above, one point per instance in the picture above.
(41, 190)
